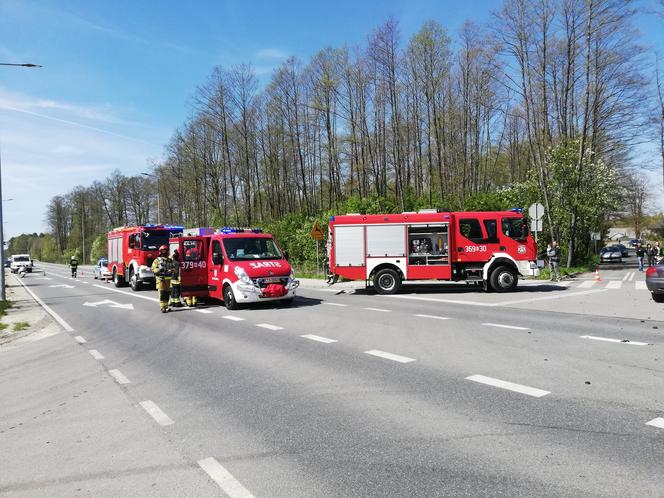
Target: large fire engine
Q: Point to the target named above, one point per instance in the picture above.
(487, 248)
(234, 265)
(131, 251)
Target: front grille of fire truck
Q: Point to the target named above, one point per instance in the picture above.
(264, 282)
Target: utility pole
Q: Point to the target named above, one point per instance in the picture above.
(3, 293)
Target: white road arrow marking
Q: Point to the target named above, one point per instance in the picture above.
(64, 286)
(112, 304)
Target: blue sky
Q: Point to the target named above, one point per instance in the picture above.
(118, 76)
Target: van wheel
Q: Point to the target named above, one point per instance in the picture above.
(118, 280)
(229, 298)
(503, 279)
(658, 297)
(133, 281)
(386, 281)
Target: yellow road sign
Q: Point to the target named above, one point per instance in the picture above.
(316, 232)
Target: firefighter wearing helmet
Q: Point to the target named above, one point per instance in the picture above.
(175, 281)
(163, 268)
(73, 264)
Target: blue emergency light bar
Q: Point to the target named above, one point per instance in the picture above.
(517, 210)
(240, 230)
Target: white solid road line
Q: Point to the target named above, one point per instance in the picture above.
(586, 284)
(118, 376)
(390, 356)
(269, 326)
(500, 325)
(80, 339)
(318, 338)
(96, 354)
(57, 317)
(641, 285)
(614, 284)
(333, 304)
(657, 422)
(434, 317)
(156, 413)
(377, 309)
(558, 295)
(530, 391)
(607, 339)
(224, 479)
(233, 318)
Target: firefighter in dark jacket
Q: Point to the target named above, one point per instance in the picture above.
(175, 281)
(163, 267)
(73, 264)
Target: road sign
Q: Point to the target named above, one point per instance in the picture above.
(595, 236)
(316, 232)
(536, 211)
(535, 225)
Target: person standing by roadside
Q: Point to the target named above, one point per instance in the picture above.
(162, 267)
(640, 254)
(657, 253)
(73, 264)
(175, 281)
(649, 254)
(553, 253)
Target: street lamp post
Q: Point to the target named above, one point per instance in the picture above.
(156, 177)
(3, 293)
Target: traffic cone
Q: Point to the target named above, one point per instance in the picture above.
(597, 277)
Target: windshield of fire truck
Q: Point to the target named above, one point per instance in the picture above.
(515, 228)
(247, 248)
(152, 239)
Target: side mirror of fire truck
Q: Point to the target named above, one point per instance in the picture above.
(217, 258)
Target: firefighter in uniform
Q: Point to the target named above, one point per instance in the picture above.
(191, 255)
(162, 267)
(175, 281)
(73, 264)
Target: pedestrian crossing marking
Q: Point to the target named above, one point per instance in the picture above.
(640, 285)
(614, 284)
(586, 284)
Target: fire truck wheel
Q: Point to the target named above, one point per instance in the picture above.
(503, 279)
(229, 298)
(118, 280)
(386, 281)
(133, 281)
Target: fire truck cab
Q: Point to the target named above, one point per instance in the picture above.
(131, 251)
(488, 248)
(234, 265)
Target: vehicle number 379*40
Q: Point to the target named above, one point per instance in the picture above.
(189, 265)
(475, 249)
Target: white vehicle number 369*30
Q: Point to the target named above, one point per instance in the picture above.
(475, 249)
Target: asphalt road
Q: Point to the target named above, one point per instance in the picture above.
(438, 391)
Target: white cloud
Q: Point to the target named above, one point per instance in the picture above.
(48, 153)
(272, 53)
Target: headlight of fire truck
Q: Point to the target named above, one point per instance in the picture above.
(242, 275)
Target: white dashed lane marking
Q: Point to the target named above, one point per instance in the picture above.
(334, 304)
(530, 391)
(433, 317)
(156, 413)
(80, 339)
(318, 338)
(96, 354)
(389, 356)
(269, 326)
(205, 312)
(233, 318)
(231, 486)
(119, 377)
(501, 326)
(657, 422)
(377, 309)
(607, 339)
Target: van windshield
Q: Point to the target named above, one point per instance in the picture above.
(21, 258)
(152, 239)
(248, 248)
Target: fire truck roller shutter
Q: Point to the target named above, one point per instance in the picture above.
(386, 240)
(349, 245)
(501, 273)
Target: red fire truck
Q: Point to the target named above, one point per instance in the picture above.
(235, 265)
(488, 248)
(131, 251)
